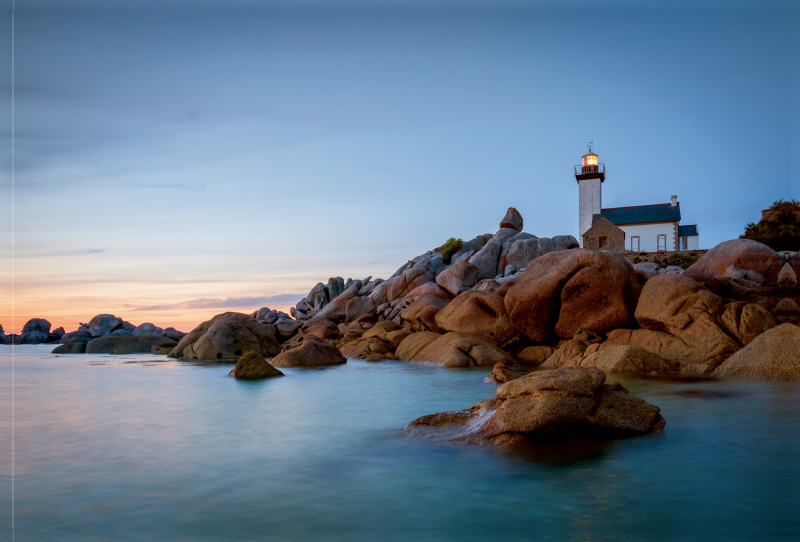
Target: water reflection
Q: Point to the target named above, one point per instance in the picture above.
(145, 448)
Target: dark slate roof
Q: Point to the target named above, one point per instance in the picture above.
(662, 212)
(687, 230)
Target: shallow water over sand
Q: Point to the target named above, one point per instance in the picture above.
(141, 448)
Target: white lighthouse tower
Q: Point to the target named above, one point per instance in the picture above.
(590, 176)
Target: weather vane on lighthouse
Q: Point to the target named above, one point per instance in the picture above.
(590, 145)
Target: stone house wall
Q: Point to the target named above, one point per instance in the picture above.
(604, 236)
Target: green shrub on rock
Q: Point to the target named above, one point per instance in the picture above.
(779, 229)
(681, 259)
(449, 248)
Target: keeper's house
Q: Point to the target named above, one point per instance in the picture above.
(642, 228)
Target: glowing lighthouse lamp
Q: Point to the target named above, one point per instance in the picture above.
(589, 162)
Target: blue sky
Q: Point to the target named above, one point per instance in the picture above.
(179, 158)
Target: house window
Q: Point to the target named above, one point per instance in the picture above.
(635, 243)
(684, 243)
(662, 242)
(604, 242)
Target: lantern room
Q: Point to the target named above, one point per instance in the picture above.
(590, 168)
(589, 163)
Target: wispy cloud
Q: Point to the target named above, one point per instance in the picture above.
(230, 302)
(59, 253)
(176, 186)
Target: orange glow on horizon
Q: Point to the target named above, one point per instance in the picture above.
(183, 320)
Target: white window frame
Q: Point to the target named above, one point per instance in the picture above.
(658, 242)
(684, 242)
(635, 248)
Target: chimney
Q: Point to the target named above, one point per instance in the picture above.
(674, 200)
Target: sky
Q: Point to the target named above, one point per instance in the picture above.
(177, 159)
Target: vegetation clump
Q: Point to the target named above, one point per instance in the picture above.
(681, 259)
(779, 229)
(449, 248)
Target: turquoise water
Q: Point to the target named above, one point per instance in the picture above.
(142, 448)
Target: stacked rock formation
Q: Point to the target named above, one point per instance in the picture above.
(499, 257)
(564, 306)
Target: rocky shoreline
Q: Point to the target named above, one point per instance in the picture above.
(103, 334)
(513, 299)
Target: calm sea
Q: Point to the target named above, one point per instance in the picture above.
(143, 448)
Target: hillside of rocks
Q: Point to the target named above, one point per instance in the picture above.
(513, 298)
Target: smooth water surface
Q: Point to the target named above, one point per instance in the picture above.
(139, 447)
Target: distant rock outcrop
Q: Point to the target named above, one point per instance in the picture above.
(33, 337)
(36, 324)
(37, 330)
(147, 329)
(102, 324)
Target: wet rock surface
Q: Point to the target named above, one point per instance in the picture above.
(368, 349)
(502, 373)
(253, 366)
(546, 406)
(124, 344)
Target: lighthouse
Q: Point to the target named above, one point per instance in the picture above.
(640, 228)
(590, 175)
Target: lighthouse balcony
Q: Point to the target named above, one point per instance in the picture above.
(595, 171)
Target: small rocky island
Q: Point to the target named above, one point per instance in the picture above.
(546, 406)
(513, 301)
